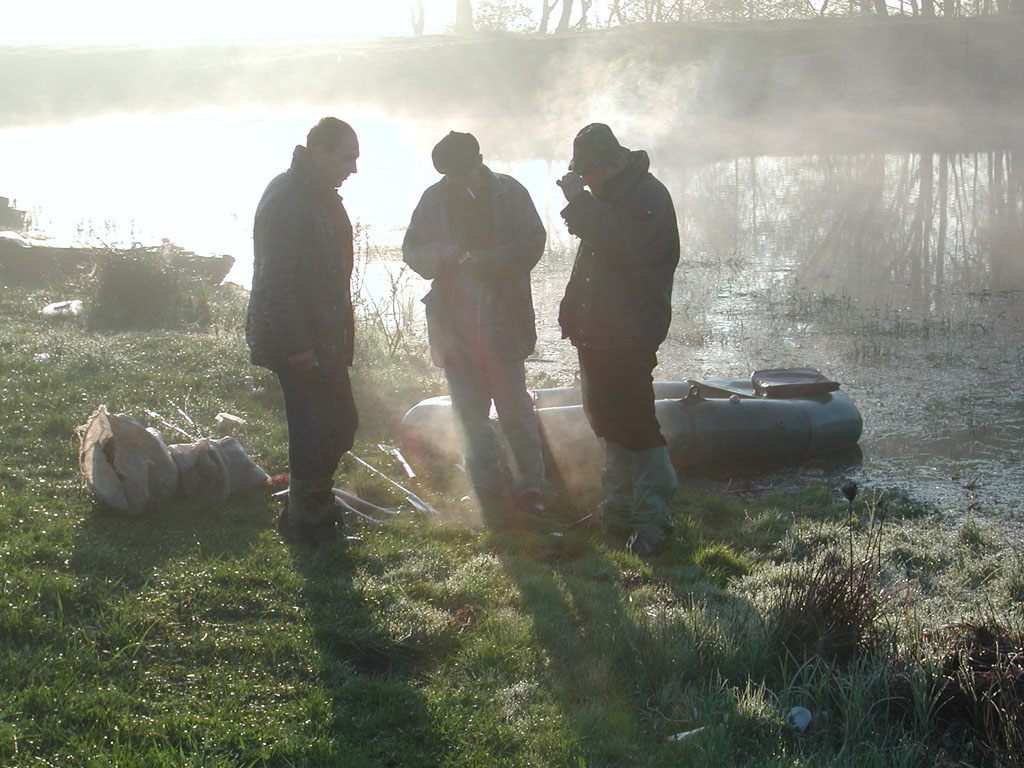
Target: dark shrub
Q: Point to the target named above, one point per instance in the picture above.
(979, 690)
(829, 607)
(138, 292)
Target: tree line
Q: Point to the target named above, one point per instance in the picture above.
(562, 16)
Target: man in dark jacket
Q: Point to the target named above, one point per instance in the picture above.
(300, 322)
(477, 235)
(616, 311)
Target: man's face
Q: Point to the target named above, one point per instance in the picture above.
(334, 167)
(466, 179)
(596, 178)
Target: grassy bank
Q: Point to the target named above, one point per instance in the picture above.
(192, 636)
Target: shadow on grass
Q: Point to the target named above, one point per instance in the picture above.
(378, 716)
(126, 553)
(625, 649)
(245, 652)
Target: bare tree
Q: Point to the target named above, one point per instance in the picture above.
(545, 15)
(563, 21)
(463, 16)
(584, 8)
(416, 12)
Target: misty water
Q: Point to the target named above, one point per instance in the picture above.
(900, 275)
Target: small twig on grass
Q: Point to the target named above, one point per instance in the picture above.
(352, 499)
(398, 455)
(415, 500)
(166, 423)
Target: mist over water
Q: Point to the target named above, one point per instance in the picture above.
(865, 219)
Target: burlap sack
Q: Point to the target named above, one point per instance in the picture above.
(215, 469)
(126, 465)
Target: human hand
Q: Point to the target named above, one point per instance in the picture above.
(571, 184)
(303, 362)
(457, 258)
(452, 256)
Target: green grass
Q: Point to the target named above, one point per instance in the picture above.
(192, 636)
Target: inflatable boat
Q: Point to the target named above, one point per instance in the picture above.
(779, 417)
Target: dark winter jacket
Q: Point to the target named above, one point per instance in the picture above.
(620, 293)
(300, 296)
(500, 271)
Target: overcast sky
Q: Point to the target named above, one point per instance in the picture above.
(137, 21)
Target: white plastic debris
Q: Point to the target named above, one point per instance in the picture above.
(227, 421)
(686, 734)
(41, 357)
(14, 237)
(398, 455)
(62, 308)
(799, 718)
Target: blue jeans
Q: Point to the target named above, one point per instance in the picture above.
(322, 423)
(475, 379)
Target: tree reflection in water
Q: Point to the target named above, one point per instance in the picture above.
(898, 274)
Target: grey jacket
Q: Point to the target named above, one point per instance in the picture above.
(620, 293)
(503, 269)
(302, 274)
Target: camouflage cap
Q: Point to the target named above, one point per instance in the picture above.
(456, 153)
(595, 146)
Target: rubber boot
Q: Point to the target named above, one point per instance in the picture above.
(654, 486)
(617, 479)
(309, 516)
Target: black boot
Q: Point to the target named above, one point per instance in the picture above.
(308, 517)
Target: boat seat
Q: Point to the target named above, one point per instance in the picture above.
(792, 382)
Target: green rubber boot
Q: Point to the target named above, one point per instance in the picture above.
(654, 486)
(617, 479)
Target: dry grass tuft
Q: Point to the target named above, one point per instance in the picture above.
(830, 607)
(980, 690)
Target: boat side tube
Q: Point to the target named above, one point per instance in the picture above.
(713, 425)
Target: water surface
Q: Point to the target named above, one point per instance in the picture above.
(898, 274)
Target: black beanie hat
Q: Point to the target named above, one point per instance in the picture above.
(456, 153)
(596, 146)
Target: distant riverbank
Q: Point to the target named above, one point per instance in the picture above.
(729, 88)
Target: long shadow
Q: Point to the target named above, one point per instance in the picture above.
(613, 677)
(352, 700)
(378, 715)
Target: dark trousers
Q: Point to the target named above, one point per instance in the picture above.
(476, 378)
(322, 422)
(618, 396)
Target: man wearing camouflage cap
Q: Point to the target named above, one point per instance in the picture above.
(616, 311)
(476, 235)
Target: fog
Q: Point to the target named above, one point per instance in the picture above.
(850, 195)
(147, 137)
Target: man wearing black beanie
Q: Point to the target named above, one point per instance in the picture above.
(616, 312)
(476, 235)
